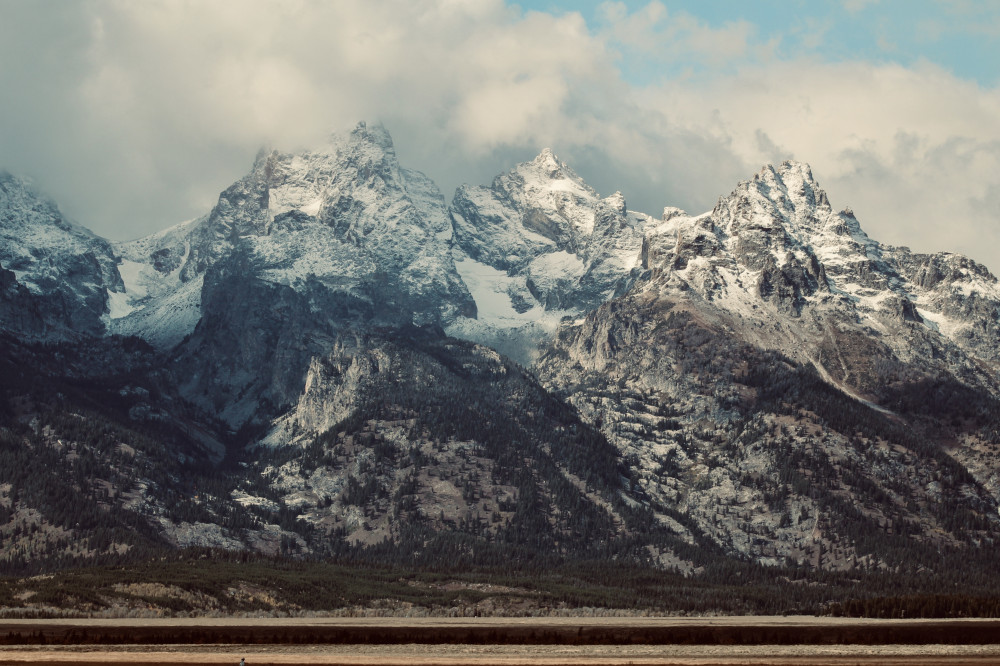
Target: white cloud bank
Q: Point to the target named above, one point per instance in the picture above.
(135, 115)
(915, 152)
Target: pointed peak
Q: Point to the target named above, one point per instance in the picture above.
(372, 132)
(789, 169)
(548, 166)
(791, 178)
(616, 202)
(263, 154)
(365, 132)
(15, 187)
(8, 179)
(548, 160)
(794, 168)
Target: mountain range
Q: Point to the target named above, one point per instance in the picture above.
(336, 363)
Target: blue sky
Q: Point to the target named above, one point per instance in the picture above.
(958, 36)
(135, 115)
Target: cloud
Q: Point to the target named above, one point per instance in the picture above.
(855, 6)
(136, 112)
(672, 37)
(914, 151)
(166, 102)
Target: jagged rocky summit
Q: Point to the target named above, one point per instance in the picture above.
(302, 249)
(736, 376)
(56, 276)
(345, 219)
(538, 246)
(347, 361)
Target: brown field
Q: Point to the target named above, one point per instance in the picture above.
(536, 656)
(503, 642)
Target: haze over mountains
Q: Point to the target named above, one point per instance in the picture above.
(334, 361)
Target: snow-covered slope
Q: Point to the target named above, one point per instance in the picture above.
(537, 246)
(158, 304)
(67, 270)
(345, 216)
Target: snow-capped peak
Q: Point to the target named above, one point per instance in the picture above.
(539, 245)
(616, 201)
(370, 133)
(339, 215)
(546, 173)
(547, 162)
(776, 242)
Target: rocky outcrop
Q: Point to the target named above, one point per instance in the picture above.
(958, 296)
(69, 272)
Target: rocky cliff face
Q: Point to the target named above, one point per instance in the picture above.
(19, 311)
(401, 436)
(247, 359)
(68, 277)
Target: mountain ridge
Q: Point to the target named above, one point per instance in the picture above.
(762, 381)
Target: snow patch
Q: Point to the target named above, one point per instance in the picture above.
(312, 208)
(499, 325)
(165, 320)
(118, 305)
(132, 276)
(942, 324)
(490, 289)
(561, 264)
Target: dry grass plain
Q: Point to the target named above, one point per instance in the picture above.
(503, 642)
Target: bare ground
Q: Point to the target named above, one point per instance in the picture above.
(479, 655)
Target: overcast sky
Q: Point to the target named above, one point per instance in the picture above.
(134, 115)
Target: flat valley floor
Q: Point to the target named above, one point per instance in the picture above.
(506, 655)
(516, 642)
